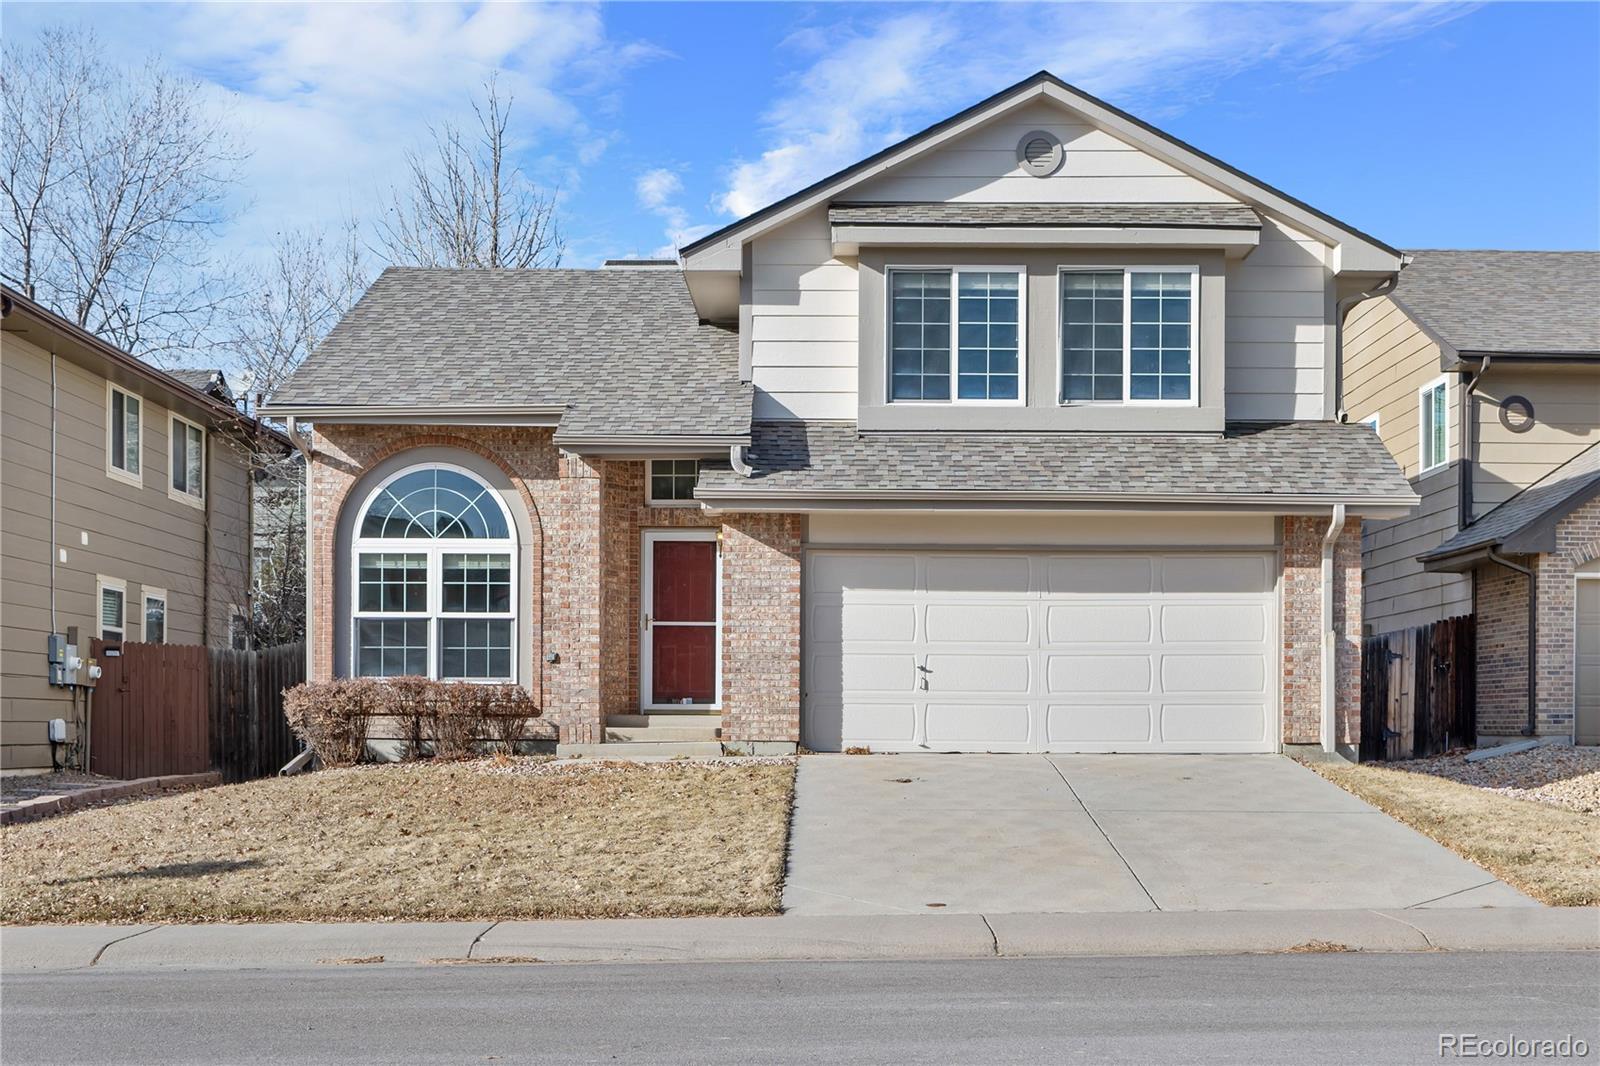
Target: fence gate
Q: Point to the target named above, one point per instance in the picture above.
(149, 713)
(185, 709)
(1418, 690)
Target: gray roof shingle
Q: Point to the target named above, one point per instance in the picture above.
(623, 348)
(1543, 303)
(1231, 216)
(1557, 492)
(211, 382)
(1248, 459)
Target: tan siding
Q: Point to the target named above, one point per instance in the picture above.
(1398, 593)
(982, 168)
(1277, 329)
(1566, 407)
(1387, 358)
(135, 533)
(803, 323)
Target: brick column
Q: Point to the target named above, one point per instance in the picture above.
(1301, 630)
(761, 627)
(575, 602)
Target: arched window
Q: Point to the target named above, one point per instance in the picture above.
(433, 579)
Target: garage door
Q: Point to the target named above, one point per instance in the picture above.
(1010, 651)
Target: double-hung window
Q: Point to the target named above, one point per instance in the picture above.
(1128, 335)
(155, 615)
(123, 434)
(434, 580)
(956, 335)
(113, 603)
(1433, 439)
(188, 445)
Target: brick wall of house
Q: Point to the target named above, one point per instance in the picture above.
(1501, 607)
(1577, 542)
(588, 518)
(1301, 630)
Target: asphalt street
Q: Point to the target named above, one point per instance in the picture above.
(1305, 1008)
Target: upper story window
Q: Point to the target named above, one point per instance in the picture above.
(982, 323)
(671, 482)
(433, 580)
(188, 443)
(123, 434)
(1127, 335)
(1433, 430)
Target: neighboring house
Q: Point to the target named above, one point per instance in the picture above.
(1016, 436)
(125, 506)
(1481, 372)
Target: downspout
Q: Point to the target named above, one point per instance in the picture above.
(1469, 446)
(1533, 637)
(1330, 647)
(1340, 310)
(737, 461)
(305, 502)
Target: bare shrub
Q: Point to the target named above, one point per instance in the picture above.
(333, 717)
(511, 718)
(409, 699)
(458, 719)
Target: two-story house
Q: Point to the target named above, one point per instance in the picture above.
(124, 512)
(1481, 372)
(1018, 435)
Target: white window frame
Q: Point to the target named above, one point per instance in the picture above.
(116, 447)
(1127, 269)
(102, 583)
(1443, 459)
(434, 551)
(146, 594)
(173, 444)
(956, 270)
(649, 472)
(646, 608)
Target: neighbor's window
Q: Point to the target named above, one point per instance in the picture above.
(983, 322)
(122, 433)
(113, 608)
(672, 481)
(188, 459)
(155, 616)
(434, 585)
(1432, 446)
(1127, 335)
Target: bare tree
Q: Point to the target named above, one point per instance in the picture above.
(114, 184)
(292, 302)
(467, 204)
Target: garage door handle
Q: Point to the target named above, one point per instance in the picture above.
(924, 679)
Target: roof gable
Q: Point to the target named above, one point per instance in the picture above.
(1357, 251)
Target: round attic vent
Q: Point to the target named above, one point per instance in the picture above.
(1039, 153)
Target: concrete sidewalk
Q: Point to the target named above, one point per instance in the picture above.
(842, 937)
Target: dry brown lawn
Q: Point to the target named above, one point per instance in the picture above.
(480, 840)
(1548, 852)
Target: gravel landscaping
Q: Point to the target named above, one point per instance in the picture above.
(1555, 774)
(485, 839)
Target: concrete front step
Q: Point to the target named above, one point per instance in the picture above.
(636, 734)
(644, 749)
(675, 719)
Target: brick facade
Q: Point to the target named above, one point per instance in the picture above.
(1502, 609)
(588, 517)
(1301, 630)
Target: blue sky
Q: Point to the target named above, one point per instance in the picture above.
(1427, 125)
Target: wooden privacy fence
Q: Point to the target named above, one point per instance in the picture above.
(181, 709)
(1418, 690)
(250, 737)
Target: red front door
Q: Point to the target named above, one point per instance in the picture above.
(680, 618)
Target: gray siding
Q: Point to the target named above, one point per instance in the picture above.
(104, 526)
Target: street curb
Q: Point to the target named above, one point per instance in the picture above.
(32, 810)
(849, 937)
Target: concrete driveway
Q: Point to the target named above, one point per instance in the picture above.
(876, 834)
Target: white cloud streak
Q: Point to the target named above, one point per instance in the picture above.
(871, 85)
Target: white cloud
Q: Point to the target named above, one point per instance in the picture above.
(870, 86)
(656, 187)
(657, 191)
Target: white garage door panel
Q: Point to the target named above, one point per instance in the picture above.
(1012, 651)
